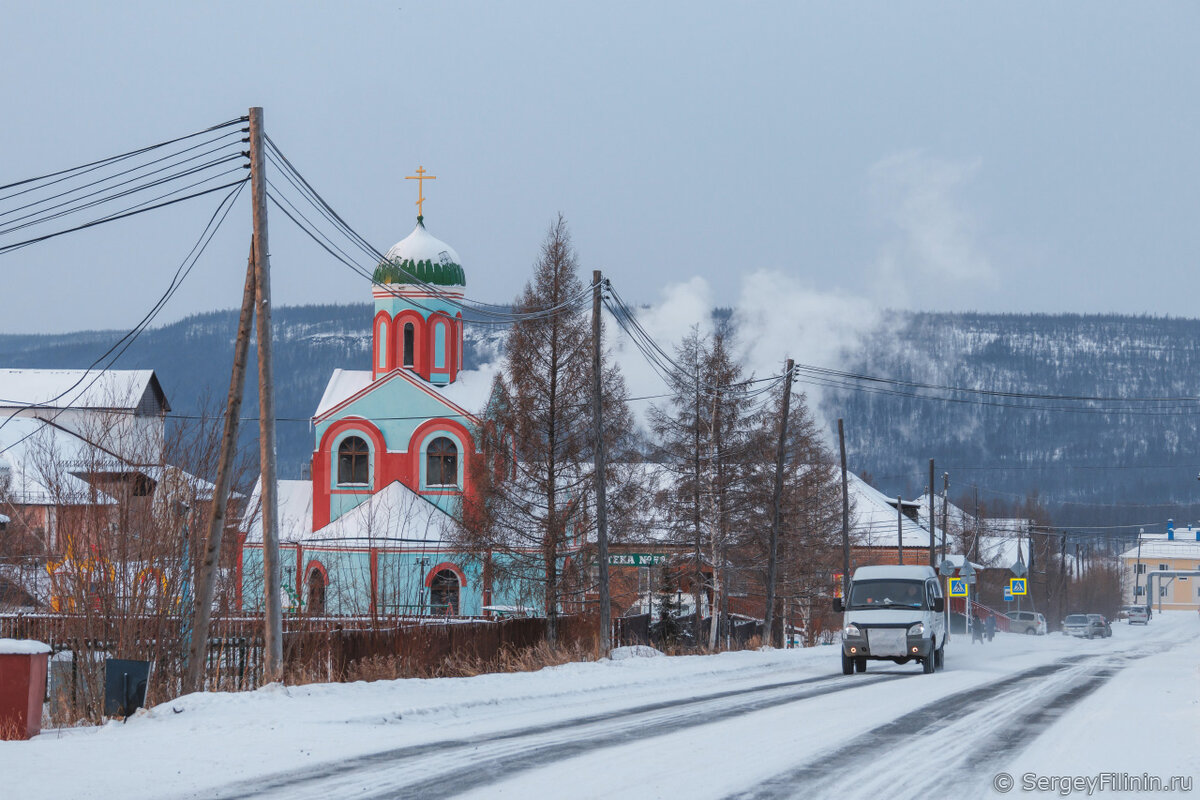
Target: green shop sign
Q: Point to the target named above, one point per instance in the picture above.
(635, 559)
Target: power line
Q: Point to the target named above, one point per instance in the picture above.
(113, 159)
(118, 348)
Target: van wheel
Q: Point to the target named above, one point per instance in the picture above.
(941, 657)
(847, 665)
(929, 663)
(860, 665)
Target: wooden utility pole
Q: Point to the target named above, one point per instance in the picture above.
(206, 580)
(777, 502)
(598, 469)
(899, 530)
(272, 576)
(845, 512)
(932, 523)
(698, 573)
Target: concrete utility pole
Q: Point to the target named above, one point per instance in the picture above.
(206, 580)
(899, 530)
(598, 469)
(932, 523)
(845, 511)
(945, 494)
(273, 628)
(1137, 571)
(777, 502)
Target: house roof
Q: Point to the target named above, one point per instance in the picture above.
(35, 464)
(1162, 548)
(132, 390)
(873, 518)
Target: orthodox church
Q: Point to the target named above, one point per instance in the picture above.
(368, 532)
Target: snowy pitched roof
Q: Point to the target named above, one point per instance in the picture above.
(873, 522)
(469, 392)
(36, 461)
(133, 390)
(1001, 552)
(956, 517)
(395, 517)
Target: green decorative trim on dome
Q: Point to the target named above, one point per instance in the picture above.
(408, 271)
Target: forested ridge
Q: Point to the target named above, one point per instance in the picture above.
(1090, 468)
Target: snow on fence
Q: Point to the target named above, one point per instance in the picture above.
(315, 649)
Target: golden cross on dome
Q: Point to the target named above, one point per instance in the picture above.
(420, 178)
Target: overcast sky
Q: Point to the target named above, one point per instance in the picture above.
(992, 156)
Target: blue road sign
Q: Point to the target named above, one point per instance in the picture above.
(1018, 586)
(1007, 594)
(958, 588)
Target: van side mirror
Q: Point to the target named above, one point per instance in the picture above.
(939, 604)
(838, 605)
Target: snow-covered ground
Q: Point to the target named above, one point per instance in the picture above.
(765, 724)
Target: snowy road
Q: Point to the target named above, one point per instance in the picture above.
(748, 725)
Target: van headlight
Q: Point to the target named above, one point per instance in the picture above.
(851, 631)
(917, 630)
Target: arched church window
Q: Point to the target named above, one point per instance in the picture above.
(409, 334)
(353, 464)
(381, 340)
(443, 594)
(441, 463)
(439, 345)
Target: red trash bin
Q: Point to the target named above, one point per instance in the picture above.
(22, 687)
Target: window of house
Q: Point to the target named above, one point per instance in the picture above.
(1162, 591)
(409, 334)
(441, 463)
(1163, 567)
(353, 464)
(1141, 569)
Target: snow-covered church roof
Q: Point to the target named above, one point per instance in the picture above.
(421, 257)
(470, 392)
(395, 517)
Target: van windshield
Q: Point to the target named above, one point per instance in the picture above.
(888, 594)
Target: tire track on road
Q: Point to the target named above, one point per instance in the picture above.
(829, 771)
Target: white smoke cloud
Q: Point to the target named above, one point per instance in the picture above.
(933, 235)
(931, 245)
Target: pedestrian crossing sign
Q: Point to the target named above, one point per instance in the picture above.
(1017, 586)
(958, 587)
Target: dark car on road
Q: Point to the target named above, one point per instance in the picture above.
(1105, 627)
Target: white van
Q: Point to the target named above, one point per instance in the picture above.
(893, 613)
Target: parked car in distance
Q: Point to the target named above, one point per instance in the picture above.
(1105, 628)
(1030, 622)
(1083, 626)
(1137, 615)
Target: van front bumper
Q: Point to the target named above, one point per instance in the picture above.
(915, 647)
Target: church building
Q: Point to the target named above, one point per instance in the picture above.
(369, 532)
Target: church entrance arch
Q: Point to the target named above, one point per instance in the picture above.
(443, 593)
(315, 587)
